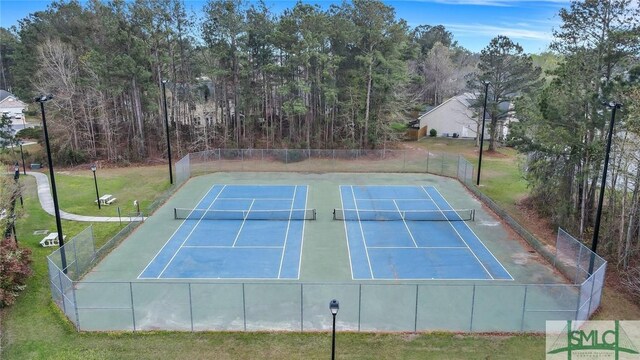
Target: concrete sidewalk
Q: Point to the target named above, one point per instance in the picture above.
(46, 201)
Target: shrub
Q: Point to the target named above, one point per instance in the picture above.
(14, 270)
(34, 133)
(433, 133)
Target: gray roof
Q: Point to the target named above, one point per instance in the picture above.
(4, 94)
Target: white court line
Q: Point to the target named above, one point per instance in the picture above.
(418, 247)
(239, 198)
(286, 236)
(231, 247)
(355, 203)
(460, 236)
(189, 235)
(387, 199)
(306, 201)
(346, 233)
(174, 233)
(244, 221)
(405, 224)
(477, 237)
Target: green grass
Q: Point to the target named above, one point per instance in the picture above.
(77, 192)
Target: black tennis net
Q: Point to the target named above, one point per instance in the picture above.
(206, 214)
(406, 215)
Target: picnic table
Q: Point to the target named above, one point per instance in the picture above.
(106, 199)
(51, 240)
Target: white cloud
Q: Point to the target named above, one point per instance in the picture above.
(492, 30)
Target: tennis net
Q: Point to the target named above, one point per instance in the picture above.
(205, 214)
(407, 215)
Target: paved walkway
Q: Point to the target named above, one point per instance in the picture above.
(46, 201)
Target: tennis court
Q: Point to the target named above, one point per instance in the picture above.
(412, 233)
(236, 232)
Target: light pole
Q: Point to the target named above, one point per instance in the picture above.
(334, 306)
(166, 127)
(95, 181)
(24, 168)
(484, 113)
(596, 228)
(16, 176)
(63, 258)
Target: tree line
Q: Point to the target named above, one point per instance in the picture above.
(240, 76)
(564, 125)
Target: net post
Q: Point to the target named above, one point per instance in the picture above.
(473, 214)
(175, 213)
(314, 214)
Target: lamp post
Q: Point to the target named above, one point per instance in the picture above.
(24, 168)
(95, 181)
(484, 113)
(166, 127)
(596, 228)
(334, 306)
(63, 258)
(16, 176)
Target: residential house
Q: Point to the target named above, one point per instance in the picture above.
(456, 118)
(11, 106)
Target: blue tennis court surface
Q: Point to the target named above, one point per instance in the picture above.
(241, 248)
(412, 250)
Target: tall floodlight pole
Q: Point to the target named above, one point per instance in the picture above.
(95, 181)
(484, 113)
(596, 229)
(42, 99)
(166, 127)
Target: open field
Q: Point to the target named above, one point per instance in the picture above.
(35, 329)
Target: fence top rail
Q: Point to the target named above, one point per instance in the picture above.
(277, 282)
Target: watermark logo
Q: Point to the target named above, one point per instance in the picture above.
(593, 340)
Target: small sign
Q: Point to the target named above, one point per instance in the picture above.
(615, 339)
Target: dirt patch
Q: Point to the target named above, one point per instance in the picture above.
(539, 226)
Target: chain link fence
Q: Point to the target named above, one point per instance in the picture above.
(300, 306)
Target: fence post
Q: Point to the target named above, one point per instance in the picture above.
(427, 170)
(301, 308)
(415, 319)
(442, 169)
(119, 218)
(244, 309)
(133, 311)
(524, 306)
(190, 307)
(359, 304)
(75, 306)
(473, 303)
(575, 281)
(64, 308)
(75, 255)
(404, 160)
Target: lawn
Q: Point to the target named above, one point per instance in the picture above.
(34, 328)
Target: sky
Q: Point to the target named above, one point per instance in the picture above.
(473, 22)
